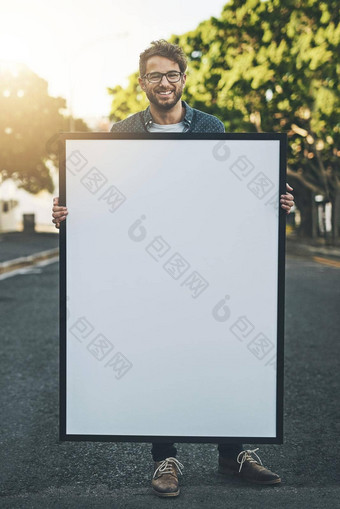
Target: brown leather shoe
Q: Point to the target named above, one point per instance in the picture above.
(165, 480)
(248, 468)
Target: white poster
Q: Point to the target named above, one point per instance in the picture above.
(172, 275)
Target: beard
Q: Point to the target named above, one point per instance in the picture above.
(167, 104)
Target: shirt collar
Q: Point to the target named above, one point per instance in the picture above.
(189, 112)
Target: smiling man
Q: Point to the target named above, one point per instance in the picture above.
(163, 82)
(162, 77)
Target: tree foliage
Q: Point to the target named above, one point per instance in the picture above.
(127, 100)
(269, 66)
(29, 120)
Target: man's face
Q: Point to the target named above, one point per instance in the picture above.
(164, 95)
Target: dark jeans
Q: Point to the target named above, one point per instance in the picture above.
(161, 451)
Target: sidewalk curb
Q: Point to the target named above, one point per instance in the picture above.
(26, 261)
(300, 249)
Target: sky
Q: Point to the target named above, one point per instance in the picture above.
(81, 47)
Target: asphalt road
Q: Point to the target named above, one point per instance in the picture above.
(17, 244)
(37, 471)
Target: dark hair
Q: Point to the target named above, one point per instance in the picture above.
(162, 48)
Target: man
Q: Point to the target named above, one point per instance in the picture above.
(162, 77)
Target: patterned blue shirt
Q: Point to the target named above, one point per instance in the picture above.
(195, 121)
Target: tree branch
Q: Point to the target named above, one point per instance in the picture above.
(303, 181)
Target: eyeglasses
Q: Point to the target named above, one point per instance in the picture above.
(156, 77)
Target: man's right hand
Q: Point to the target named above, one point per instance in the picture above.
(58, 213)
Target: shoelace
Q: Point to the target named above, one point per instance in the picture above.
(246, 455)
(165, 466)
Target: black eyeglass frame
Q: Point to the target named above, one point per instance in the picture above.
(163, 74)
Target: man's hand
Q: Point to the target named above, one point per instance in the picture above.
(58, 213)
(287, 200)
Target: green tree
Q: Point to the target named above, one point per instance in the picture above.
(271, 66)
(29, 121)
(128, 100)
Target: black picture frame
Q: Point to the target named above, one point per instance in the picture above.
(278, 439)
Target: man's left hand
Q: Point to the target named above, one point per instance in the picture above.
(287, 200)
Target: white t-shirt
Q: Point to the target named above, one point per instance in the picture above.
(167, 128)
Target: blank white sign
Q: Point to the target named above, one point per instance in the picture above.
(171, 274)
